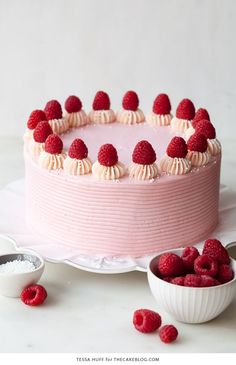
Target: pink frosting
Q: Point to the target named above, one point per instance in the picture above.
(125, 218)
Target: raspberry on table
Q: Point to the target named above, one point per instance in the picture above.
(216, 250)
(170, 264)
(34, 295)
(168, 333)
(205, 265)
(146, 320)
(225, 273)
(192, 280)
(188, 256)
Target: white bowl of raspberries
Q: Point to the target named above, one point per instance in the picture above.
(193, 287)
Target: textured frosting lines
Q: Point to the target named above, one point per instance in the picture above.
(74, 166)
(51, 162)
(59, 126)
(102, 116)
(77, 119)
(214, 146)
(130, 116)
(180, 125)
(108, 172)
(158, 119)
(198, 158)
(175, 166)
(143, 172)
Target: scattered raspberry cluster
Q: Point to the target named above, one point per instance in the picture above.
(211, 268)
(147, 321)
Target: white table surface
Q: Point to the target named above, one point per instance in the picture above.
(87, 312)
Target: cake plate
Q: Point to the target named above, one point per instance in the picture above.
(16, 236)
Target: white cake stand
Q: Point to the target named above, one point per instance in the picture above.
(16, 236)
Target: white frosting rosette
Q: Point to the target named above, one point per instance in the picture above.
(143, 166)
(184, 114)
(130, 116)
(52, 157)
(174, 162)
(108, 167)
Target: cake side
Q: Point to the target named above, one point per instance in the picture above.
(123, 219)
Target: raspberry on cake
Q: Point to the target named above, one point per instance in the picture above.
(101, 112)
(52, 157)
(77, 161)
(40, 134)
(200, 115)
(207, 129)
(160, 114)
(54, 116)
(75, 115)
(143, 166)
(108, 167)
(130, 114)
(35, 117)
(197, 150)
(185, 113)
(175, 162)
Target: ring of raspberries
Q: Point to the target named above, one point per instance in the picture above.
(211, 268)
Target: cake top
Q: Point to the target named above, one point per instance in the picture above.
(124, 144)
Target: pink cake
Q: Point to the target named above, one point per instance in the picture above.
(161, 192)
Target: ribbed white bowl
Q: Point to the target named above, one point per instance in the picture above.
(190, 305)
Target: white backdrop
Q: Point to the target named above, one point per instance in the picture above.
(54, 48)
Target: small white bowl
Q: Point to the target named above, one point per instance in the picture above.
(11, 285)
(187, 304)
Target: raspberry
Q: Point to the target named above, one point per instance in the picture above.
(146, 321)
(161, 105)
(170, 264)
(73, 104)
(200, 115)
(107, 155)
(178, 280)
(207, 280)
(216, 250)
(35, 117)
(192, 280)
(53, 144)
(205, 265)
(42, 131)
(144, 153)
(101, 101)
(197, 142)
(78, 149)
(225, 273)
(177, 148)
(168, 279)
(185, 110)
(188, 256)
(168, 333)
(130, 101)
(206, 128)
(34, 295)
(53, 110)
